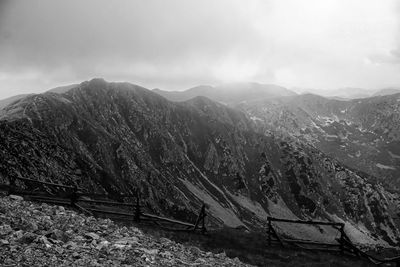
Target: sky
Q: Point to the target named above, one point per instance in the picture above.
(178, 44)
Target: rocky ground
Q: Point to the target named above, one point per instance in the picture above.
(34, 234)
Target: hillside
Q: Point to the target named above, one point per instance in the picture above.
(119, 138)
(363, 134)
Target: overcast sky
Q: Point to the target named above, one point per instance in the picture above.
(177, 44)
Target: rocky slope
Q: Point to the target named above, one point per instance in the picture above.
(118, 137)
(44, 235)
(363, 133)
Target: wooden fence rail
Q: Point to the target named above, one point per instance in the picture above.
(343, 243)
(336, 245)
(73, 197)
(272, 219)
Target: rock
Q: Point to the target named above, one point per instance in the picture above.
(103, 244)
(56, 235)
(32, 226)
(61, 209)
(149, 251)
(4, 242)
(195, 251)
(126, 242)
(45, 241)
(59, 250)
(18, 234)
(166, 254)
(79, 238)
(92, 236)
(71, 245)
(16, 198)
(5, 230)
(27, 238)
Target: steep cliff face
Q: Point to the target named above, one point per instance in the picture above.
(118, 137)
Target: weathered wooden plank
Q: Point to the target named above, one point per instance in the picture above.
(108, 202)
(309, 242)
(166, 219)
(305, 222)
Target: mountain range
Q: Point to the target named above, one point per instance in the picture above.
(258, 154)
(361, 133)
(229, 93)
(348, 93)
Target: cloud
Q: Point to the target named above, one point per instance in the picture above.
(176, 44)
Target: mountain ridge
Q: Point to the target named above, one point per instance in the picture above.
(118, 137)
(228, 93)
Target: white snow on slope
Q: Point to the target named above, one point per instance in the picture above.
(254, 118)
(385, 167)
(395, 156)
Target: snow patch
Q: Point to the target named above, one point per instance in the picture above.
(385, 167)
(395, 156)
(254, 118)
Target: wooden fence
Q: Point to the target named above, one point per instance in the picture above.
(343, 244)
(74, 197)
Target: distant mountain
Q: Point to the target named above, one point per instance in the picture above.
(387, 91)
(350, 93)
(63, 89)
(119, 137)
(5, 102)
(363, 133)
(229, 93)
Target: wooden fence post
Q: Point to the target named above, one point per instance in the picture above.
(11, 187)
(137, 209)
(200, 218)
(74, 196)
(269, 231)
(203, 224)
(342, 239)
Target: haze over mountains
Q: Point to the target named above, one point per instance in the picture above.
(268, 155)
(229, 93)
(236, 92)
(362, 133)
(349, 92)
